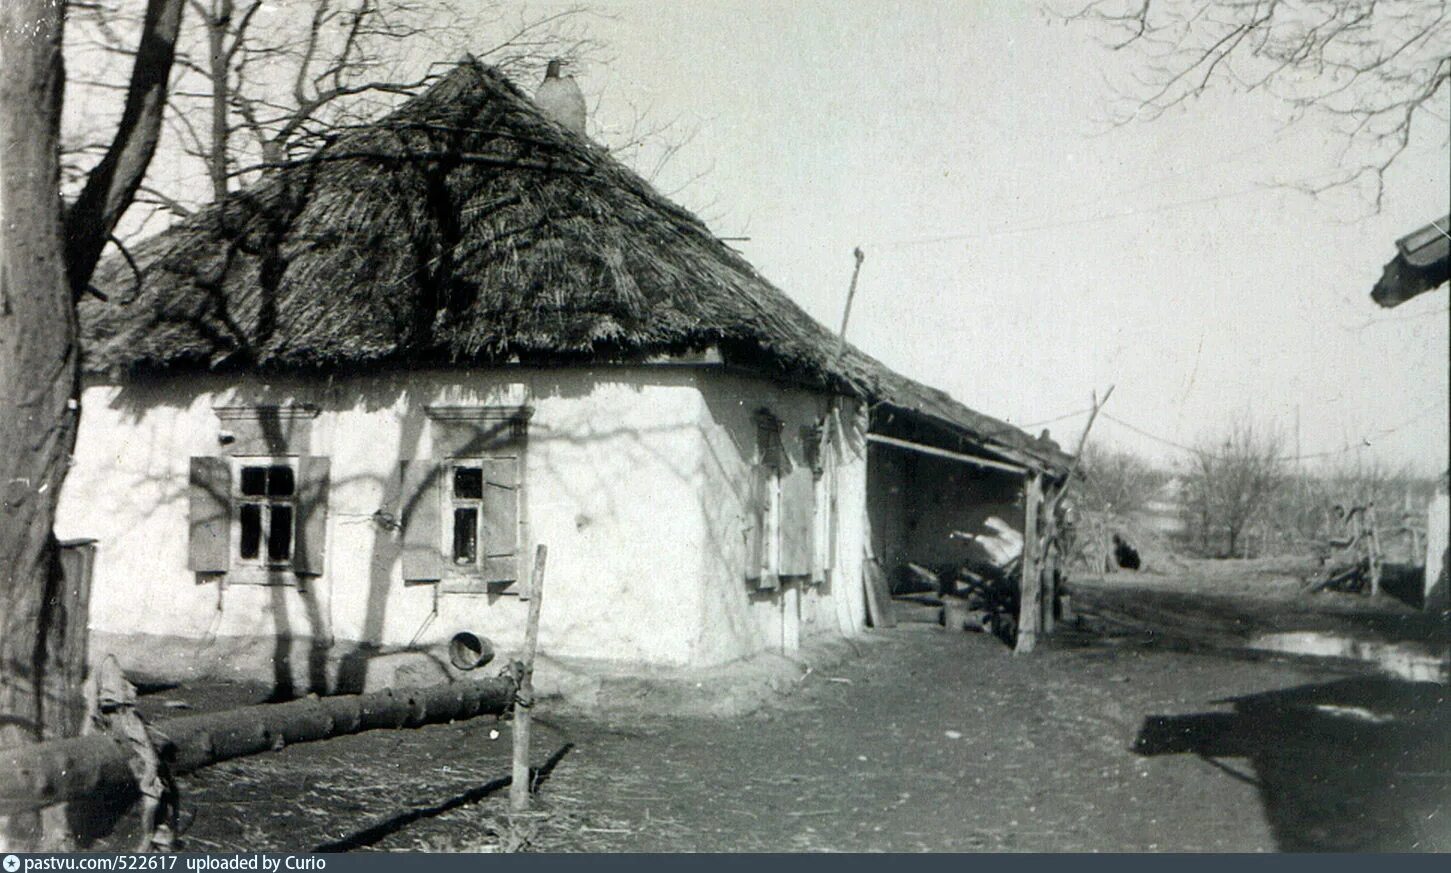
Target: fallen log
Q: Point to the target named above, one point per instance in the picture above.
(36, 776)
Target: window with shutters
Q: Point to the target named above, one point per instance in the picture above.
(258, 517)
(461, 512)
(480, 521)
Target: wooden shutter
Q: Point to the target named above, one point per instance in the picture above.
(757, 537)
(499, 543)
(418, 513)
(311, 543)
(209, 549)
(798, 521)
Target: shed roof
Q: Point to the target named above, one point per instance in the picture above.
(466, 227)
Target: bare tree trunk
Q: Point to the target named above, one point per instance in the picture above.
(47, 254)
(39, 377)
(219, 69)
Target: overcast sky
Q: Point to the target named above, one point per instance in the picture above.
(1021, 253)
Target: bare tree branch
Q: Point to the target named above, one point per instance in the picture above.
(1372, 68)
(113, 182)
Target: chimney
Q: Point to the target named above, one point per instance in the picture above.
(560, 98)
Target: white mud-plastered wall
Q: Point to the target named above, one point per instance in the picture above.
(633, 478)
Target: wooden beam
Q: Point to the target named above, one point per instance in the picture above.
(944, 453)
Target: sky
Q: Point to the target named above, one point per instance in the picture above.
(1021, 252)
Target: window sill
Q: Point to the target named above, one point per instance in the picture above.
(460, 583)
(284, 576)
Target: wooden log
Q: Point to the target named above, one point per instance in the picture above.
(519, 786)
(36, 776)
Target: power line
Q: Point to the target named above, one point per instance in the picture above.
(1092, 219)
(1074, 414)
(1364, 443)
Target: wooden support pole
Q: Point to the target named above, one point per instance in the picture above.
(520, 785)
(1374, 550)
(1030, 594)
(850, 295)
(1050, 582)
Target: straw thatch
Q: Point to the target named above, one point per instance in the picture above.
(463, 228)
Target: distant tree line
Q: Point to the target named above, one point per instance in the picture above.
(1241, 494)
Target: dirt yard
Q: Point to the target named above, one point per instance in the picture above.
(1121, 735)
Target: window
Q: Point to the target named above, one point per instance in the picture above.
(266, 503)
(471, 529)
(467, 484)
(462, 511)
(258, 513)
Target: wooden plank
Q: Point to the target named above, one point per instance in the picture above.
(798, 521)
(209, 548)
(418, 512)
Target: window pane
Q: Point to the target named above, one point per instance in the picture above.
(251, 518)
(280, 481)
(465, 535)
(468, 483)
(254, 481)
(279, 538)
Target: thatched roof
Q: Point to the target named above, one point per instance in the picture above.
(463, 228)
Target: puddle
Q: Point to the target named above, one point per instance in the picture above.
(1411, 661)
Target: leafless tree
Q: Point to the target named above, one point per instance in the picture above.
(1116, 481)
(1372, 68)
(260, 81)
(48, 251)
(1231, 480)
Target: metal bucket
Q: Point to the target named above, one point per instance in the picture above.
(467, 651)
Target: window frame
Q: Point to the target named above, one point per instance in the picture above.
(263, 563)
(448, 518)
(472, 571)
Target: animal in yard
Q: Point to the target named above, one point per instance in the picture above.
(1125, 555)
(560, 97)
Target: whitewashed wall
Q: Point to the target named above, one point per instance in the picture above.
(632, 479)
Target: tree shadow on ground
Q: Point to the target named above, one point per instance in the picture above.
(375, 833)
(1355, 765)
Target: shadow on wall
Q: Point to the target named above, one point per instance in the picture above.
(304, 654)
(1356, 765)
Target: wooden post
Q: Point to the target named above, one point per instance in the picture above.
(1030, 587)
(1050, 583)
(1374, 550)
(520, 785)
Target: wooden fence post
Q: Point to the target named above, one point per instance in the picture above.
(520, 784)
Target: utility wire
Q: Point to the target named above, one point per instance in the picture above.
(1365, 441)
(1091, 219)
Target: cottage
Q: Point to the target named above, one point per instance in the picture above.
(330, 416)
